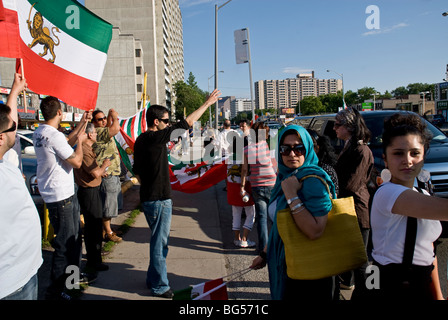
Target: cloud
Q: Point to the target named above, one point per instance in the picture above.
(295, 70)
(385, 30)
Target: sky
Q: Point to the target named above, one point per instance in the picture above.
(288, 37)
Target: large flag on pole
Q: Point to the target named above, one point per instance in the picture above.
(9, 31)
(63, 47)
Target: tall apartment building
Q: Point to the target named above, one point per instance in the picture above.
(287, 93)
(157, 25)
(122, 82)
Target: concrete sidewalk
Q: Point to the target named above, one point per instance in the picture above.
(195, 250)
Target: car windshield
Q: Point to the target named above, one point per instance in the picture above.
(377, 132)
(437, 135)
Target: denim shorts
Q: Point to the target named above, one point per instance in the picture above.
(110, 189)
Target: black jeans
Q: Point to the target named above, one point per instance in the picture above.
(310, 290)
(398, 282)
(92, 209)
(68, 241)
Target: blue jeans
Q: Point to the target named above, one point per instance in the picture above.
(27, 292)
(261, 196)
(158, 215)
(68, 241)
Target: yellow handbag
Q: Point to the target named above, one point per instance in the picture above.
(339, 249)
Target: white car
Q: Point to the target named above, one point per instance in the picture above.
(29, 165)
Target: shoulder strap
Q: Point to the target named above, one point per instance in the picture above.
(411, 235)
(321, 179)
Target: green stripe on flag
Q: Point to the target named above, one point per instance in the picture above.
(124, 157)
(183, 294)
(92, 31)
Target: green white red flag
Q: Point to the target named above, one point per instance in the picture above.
(210, 290)
(195, 177)
(61, 44)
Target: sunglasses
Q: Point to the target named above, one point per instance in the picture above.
(165, 120)
(100, 119)
(13, 128)
(337, 125)
(299, 149)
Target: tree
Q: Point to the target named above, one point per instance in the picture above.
(365, 93)
(416, 88)
(400, 91)
(351, 98)
(189, 98)
(310, 105)
(332, 102)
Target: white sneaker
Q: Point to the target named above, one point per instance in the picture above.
(237, 243)
(247, 244)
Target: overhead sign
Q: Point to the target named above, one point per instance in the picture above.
(241, 48)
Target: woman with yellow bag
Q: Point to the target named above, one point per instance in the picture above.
(309, 203)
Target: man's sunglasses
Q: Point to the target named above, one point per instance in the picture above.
(100, 119)
(165, 120)
(299, 149)
(13, 128)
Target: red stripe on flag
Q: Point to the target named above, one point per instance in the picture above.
(9, 33)
(2, 11)
(128, 139)
(144, 120)
(46, 78)
(215, 174)
(133, 128)
(220, 294)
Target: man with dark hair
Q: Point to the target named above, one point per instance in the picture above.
(55, 162)
(20, 229)
(152, 171)
(105, 148)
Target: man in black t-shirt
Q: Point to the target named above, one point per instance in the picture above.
(152, 171)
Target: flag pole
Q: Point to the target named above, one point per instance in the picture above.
(25, 104)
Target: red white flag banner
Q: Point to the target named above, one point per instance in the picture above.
(63, 47)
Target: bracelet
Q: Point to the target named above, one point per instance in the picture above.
(289, 201)
(297, 206)
(300, 210)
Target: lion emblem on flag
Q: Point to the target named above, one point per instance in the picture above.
(41, 35)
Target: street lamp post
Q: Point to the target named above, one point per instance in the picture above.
(424, 93)
(342, 78)
(374, 96)
(216, 58)
(208, 90)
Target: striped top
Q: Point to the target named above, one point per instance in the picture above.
(262, 171)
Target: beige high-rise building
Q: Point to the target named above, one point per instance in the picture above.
(287, 93)
(157, 27)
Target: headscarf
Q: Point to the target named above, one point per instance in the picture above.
(313, 194)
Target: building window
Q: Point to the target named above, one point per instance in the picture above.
(139, 87)
(139, 70)
(138, 53)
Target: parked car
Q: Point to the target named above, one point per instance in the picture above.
(29, 165)
(436, 119)
(436, 159)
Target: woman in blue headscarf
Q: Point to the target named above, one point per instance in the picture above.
(309, 202)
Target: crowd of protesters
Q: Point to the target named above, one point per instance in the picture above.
(79, 173)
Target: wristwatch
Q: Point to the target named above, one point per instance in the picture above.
(289, 201)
